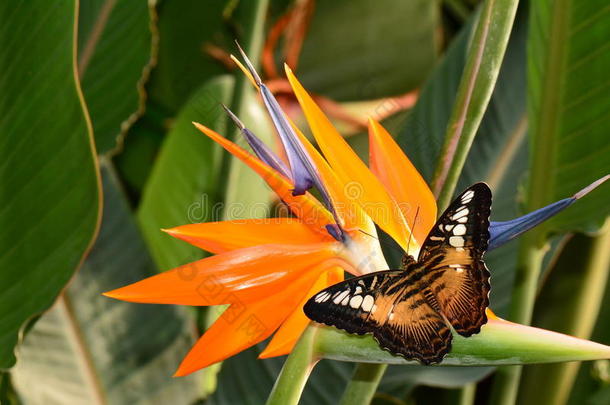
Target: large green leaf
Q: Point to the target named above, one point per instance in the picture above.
(183, 186)
(568, 107)
(498, 154)
(50, 199)
(91, 349)
(114, 56)
(185, 29)
(375, 58)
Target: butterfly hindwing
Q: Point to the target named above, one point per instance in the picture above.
(452, 256)
(376, 303)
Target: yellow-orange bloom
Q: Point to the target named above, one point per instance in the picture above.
(266, 269)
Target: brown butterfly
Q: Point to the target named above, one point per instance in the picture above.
(410, 311)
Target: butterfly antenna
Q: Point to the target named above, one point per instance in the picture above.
(412, 229)
(368, 234)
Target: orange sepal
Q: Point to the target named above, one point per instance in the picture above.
(305, 206)
(362, 185)
(243, 275)
(240, 327)
(349, 211)
(220, 237)
(394, 169)
(289, 333)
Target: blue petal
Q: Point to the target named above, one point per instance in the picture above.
(303, 171)
(260, 149)
(502, 232)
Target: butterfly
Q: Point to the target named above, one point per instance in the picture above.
(410, 311)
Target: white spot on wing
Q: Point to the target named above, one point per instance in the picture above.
(355, 301)
(467, 196)
(461, 213)
(456, 241)
(367, 303)
(340, 297)
(459, 230)
(322, 297)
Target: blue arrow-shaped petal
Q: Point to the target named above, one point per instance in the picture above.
(502, 232)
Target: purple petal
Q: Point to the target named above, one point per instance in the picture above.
(260, 149)
(303, 170)
(502, 232)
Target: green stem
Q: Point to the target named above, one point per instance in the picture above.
(363, 384)
(483, 63)
(291, 381)
(251, 14)
(467, 394)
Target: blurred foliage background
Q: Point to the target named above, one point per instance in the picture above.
(98, 153)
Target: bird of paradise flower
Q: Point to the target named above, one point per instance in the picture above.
(266, 270)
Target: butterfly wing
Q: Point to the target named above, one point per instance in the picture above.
(453, 258)
(404, 324)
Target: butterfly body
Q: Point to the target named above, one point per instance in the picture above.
(410, 311)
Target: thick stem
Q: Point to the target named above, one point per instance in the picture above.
(289, 385)
(467, 394)
(363, 385)
(476, 86)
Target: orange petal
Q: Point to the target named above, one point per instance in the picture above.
(402, 180)
(240, 327)
(242, 275)
(287, 335)
(219, 237)
(350, 212)
(305, 207)
(361, 185)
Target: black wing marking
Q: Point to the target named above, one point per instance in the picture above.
(453, 258)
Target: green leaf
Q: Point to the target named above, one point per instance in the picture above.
(185, 29)
(114, 59)
(568, 108)
(92, 349)
(50, 202)
(569, 302)
(376, 58)
(183, 186)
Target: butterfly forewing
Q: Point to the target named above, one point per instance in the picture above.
(452, 256)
